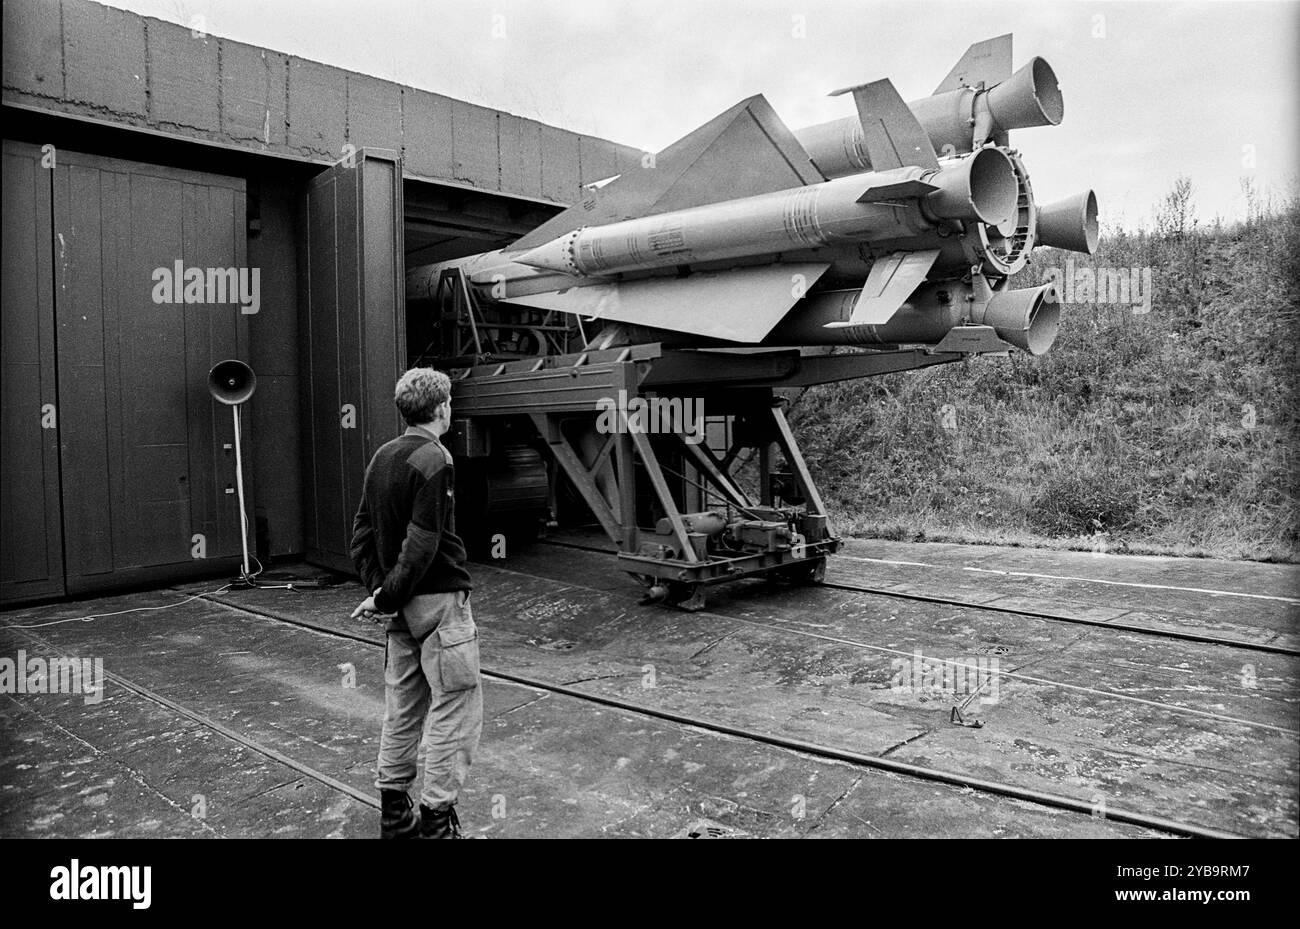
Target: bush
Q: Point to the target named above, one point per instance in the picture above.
(1086, 503)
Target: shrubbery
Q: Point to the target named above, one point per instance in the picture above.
(1074, 503)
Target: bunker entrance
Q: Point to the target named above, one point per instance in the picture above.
(505, 490)
(447, 326)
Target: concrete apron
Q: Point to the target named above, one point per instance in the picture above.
(554, 765)
(549, 766)
(1125, 754)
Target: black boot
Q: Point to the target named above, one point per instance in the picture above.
(398, 819)
(439, 824)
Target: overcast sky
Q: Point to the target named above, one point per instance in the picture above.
(1152, 90)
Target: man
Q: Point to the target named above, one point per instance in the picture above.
(405, 549)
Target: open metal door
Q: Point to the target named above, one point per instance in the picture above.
(354, 345)
(31, 518)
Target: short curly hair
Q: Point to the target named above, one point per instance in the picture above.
(420, 391)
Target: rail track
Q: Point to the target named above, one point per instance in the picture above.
(992, 787)
(1179, 634)
(923, 773)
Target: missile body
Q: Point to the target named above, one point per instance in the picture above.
(926, 317)
(497, 276)
(1028, 318)
(896, 204)
(955, 121)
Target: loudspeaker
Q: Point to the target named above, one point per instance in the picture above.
(231, 382)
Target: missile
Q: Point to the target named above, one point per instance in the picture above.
(981, 100)
(738, 234)
(869, 207)
(1027, 318)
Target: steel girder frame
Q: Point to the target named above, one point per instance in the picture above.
(686, 578)
(605, 469)
(563, 395)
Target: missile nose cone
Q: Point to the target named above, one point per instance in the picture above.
(555, 255)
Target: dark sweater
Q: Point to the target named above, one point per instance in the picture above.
(404, 540)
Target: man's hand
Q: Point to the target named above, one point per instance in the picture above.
(367, 609)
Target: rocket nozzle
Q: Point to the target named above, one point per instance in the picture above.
(980, 187)
(1030, 97)
(1070, 224)
(1028, 318)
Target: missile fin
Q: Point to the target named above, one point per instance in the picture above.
(890, 282)
(891, 133)
(987, 63)
(972, 340)
(899, 190)
(739, 305)
(744, 151)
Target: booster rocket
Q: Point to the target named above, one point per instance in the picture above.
(866, 208)
(980, 101)
(901, 224)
